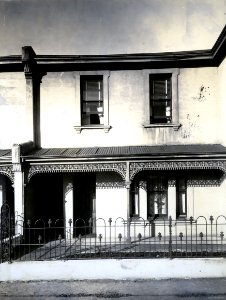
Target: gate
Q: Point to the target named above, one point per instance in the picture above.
(6, 233)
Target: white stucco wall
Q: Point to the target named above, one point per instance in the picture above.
(222, 97)
(111, 203)
(58, 109)
(210, 201)
(110, 197)
(199, 105)
(199, 111)
(201, 117)
(12, 109)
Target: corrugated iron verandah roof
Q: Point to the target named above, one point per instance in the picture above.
(5, 153)
(191, 151)
(201, 150)
(126, 160)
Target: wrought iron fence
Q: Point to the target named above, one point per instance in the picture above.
(119, 238)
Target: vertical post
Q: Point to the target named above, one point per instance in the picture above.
(68, 192)
(10, 238)
(170, 237)
(33, 79)
(128, 184)
(18, 189)
(93, 228)
(5, 233)
(172, 202)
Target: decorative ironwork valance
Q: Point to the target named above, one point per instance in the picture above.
(8, 171)
(85, 167)
(136, 167)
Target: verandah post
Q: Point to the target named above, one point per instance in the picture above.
(170, 237)
(127, 184)
(128, 237)
(68, 192)
(18, 189)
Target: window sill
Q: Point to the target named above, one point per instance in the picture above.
(103, 127)
(175, 126)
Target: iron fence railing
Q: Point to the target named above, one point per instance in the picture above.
(57, 239)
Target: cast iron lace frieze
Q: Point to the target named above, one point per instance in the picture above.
(8, 171)
(136, 167)
(94, 167)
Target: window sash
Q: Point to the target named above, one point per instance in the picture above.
(92, 104)
(160, 98)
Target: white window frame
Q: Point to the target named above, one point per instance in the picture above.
(175, 103)
(78, 120)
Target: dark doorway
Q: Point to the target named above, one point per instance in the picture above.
(84, 201)
(6, 192)
(44, 197)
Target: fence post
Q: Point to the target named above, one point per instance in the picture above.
(5, 233)
(170, 237)
(128, 212)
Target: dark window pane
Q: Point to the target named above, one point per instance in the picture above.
(92, 91)
(161, 88)
(90, 107)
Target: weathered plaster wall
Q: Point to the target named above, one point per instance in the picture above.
(110, 197)
(58, 109)
(210, 201)
(199, 105)
(113, 26)
(222, 98)
(12, 109)
(199, 111)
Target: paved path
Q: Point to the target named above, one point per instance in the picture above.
(199, 289)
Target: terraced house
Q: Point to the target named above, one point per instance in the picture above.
(111, 137)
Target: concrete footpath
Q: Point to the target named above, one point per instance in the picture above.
(166, 289)
(114, 269)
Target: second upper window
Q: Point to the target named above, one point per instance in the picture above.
(160, 98)
(92, 109)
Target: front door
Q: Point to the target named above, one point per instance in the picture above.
(84, 200)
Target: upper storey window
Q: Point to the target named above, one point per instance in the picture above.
(160, 98)
(92, 105)
(92, 100)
